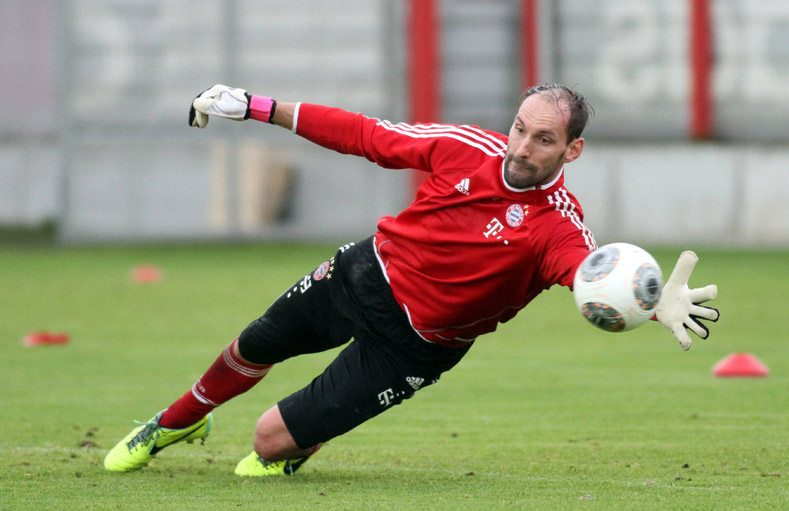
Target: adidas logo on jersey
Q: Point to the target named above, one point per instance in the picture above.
(415, 382)
(462, 186)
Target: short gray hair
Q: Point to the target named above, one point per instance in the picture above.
(580, 109)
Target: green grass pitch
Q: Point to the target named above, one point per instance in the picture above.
(546, 413)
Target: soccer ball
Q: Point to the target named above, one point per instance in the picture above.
(617, 287)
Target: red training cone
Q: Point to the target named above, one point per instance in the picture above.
(740, 365)
(39, 338)
(146, 274)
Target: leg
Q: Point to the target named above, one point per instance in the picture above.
(366, 379)
(188, 418)
(273, 440)
(302, 320)
(387, 363)
(229, 376)
(276, 452)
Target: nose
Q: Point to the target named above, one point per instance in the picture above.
(523, 148)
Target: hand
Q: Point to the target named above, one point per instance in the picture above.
(222, 101)
(679, 309)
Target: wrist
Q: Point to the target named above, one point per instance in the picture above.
(262, 108)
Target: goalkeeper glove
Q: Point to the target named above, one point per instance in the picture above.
(679, 309)
(235, 104)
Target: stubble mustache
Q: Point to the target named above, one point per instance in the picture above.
(522, 163)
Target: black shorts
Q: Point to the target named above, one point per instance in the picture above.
(345, 297)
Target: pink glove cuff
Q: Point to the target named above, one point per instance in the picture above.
(260, 108)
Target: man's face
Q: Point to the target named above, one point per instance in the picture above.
(537, 147)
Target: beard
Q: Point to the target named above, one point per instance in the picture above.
(520, 173)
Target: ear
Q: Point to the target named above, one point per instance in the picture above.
(574, 150)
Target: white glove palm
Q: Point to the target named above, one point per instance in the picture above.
(679, 309)
(222, 101)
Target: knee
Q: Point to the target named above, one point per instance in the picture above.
(251, 344)
(273, 441)
(266, 445)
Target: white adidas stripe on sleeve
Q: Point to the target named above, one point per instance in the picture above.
(567, 209)
(478, 139)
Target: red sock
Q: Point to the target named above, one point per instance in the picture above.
(227, 377)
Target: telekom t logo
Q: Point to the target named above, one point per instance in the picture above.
(493, 229)
(386, 397)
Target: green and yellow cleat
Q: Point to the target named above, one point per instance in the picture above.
(141, 445)
(254, 466)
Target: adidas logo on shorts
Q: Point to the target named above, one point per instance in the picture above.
(415, 381)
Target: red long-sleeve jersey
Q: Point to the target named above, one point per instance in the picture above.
(470, 251)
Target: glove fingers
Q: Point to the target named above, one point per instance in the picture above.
(697, 327)
(682, 336)
(202, 102)
(702, 294)
(202, 120)
(704, 312)
(197, 119)
(684, 267)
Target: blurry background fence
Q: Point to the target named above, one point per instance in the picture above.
(94, 135)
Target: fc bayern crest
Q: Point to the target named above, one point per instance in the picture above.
(515, 215)
(321, 271)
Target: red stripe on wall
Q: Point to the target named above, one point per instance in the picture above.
(702, 122)
(423, 63)
(424, 66)
(530, 54)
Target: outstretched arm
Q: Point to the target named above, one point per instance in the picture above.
(423, 147)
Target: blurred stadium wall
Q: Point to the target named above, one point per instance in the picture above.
(95, 96)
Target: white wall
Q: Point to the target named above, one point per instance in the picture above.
(94, 130)
(708, 194)
(704, 194)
